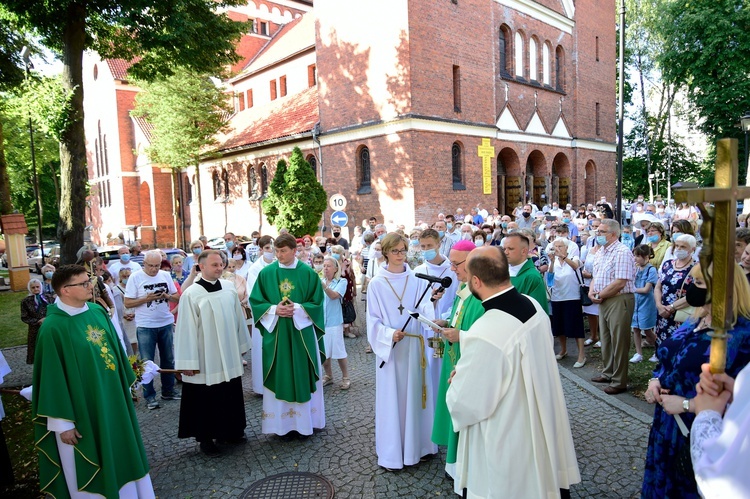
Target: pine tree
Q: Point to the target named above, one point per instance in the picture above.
(296, 199)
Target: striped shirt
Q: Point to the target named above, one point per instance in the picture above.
(614, 262)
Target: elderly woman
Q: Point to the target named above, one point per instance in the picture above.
(656, 238)
(347, 302)
(33, 312)
(47, 290)
(678, 228)
(129, 328)
(195, 249)
(588, 257)
(668, 470)
(669, 292)
(567, 317)
(242, 267)
(178, 272)
(414, 257)
(230, 274)
(334, 287)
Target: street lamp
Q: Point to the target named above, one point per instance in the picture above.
(25, 55)
(745, 124)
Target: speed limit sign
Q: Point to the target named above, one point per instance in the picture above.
(337, 202)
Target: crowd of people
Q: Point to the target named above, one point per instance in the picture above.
(436, 296)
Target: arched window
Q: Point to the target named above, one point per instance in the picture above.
(533, 66)
(363, 168)
(545, 64)
(518, 41)
(560, 69)
(457, 167)
(504, 50)
(313, 164)
(252, 183)
(263, 180)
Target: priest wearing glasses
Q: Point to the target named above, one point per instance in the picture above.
(404, 400)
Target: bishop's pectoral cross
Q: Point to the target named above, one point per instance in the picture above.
(718, 232)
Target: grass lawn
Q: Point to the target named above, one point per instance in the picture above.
(18, 430)
(13, 332)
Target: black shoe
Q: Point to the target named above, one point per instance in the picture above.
(210, 449)
(232, 441)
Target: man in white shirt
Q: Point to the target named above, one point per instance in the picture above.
(149, 292)
(123, 263)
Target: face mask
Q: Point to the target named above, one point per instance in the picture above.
(230, 244)
(322, 249)
(743, 224)
(601, 240)
(566, 220)
(504, 225)
(318, 267)
(626, 236)
(255, 240)
(653, 239)
(237, 257)
(441, 233)
(197, 251)
(478, 242)
(695, 296)
(429, 254)
(377, 254)
(681, 254)
(526, 215)
(268, 256)
(414, 242)
(336, 256)
(449, 225)
(380, 237)
(675, 236)
(336, 234)
(125, 258)
(48, 275)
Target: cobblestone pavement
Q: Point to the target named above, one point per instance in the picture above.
(610, 439)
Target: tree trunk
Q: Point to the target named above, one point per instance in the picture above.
(73, 169)
(6, 206)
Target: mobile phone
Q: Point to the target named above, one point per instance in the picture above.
(550, 218)
(197, 268)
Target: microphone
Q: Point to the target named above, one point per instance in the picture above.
(445, 282)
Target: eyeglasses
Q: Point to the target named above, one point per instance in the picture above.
(602, 232)
(84, 285)
(152, 265)
(396, 252)
(455, 265)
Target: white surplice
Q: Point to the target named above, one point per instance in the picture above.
(256, 355)
(507, 404)
(403, 424)
(442, 307)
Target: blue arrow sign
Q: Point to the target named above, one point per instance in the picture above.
(339, 218)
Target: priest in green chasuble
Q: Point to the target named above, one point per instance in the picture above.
(287, 305)
(466, 309)
(85, 427)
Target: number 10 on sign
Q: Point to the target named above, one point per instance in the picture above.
(337, 202)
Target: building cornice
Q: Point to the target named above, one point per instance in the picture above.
(541, 13)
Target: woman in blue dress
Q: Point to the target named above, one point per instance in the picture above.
(669, 292)
(668, 470)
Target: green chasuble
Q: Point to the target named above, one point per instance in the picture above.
(461, 318)
(529, 282)
(82, 375)
(290, 368)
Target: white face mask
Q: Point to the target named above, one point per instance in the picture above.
(237, 257)
(681, 254)
(318, 267)
(268, 256)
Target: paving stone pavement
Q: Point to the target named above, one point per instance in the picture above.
(610, 439)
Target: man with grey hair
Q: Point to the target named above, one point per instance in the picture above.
(124, 262)
(612, 288)
(149, 292)
(380, 231)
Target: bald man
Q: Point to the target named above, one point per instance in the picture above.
(505, 396)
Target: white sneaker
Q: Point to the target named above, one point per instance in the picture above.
(598, 344)
(653, 358)
(636, 358)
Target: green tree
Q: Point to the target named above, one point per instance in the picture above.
(161, 35)
(186, 110)
(296, 199)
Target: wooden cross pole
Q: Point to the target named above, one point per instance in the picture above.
(718, 232)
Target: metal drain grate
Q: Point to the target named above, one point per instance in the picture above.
(292, 485)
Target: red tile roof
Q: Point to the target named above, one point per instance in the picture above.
(294, 37)
(14, 224)
(119, 68)
(284, 117)
(146, 127)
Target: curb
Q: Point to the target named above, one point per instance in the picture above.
(608, 399)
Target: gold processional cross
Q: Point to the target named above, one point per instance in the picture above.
(718, 232)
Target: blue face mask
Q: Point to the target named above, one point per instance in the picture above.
(566, 220)
(414, 242)
(336, 256)
(675, 236)
(197, 251)
(441, 233)
(504, 225)
(380, 237)
(429, 254)
(449, 225)
(601, 240)
(626, 237)
(48, 275)
(479, 242)
(230, 244)
(653, 239)
(125, 258)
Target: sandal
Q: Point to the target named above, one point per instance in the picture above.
(345, 383)
(368, 349)
(327, 380)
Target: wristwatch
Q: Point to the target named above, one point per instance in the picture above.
(686, 405)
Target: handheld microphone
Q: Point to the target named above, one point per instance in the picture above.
(445, 282)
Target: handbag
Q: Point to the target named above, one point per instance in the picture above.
(350, 314)
(683, 314)
(583, 290)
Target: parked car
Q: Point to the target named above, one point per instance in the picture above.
(51, 255)
(139, 259)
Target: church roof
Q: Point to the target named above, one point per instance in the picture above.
(145, 126)
(119, 68)
(293, 38)
(285, 117)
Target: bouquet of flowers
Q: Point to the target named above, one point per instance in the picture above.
(145, 371)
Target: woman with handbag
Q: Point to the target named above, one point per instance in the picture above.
(669, 292)
(334, 287)
(668, 470)
(644, 315)
(588, 255)
(565, 297)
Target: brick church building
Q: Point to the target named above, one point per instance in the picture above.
(407, 108)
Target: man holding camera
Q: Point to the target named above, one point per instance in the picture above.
(149, 292)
